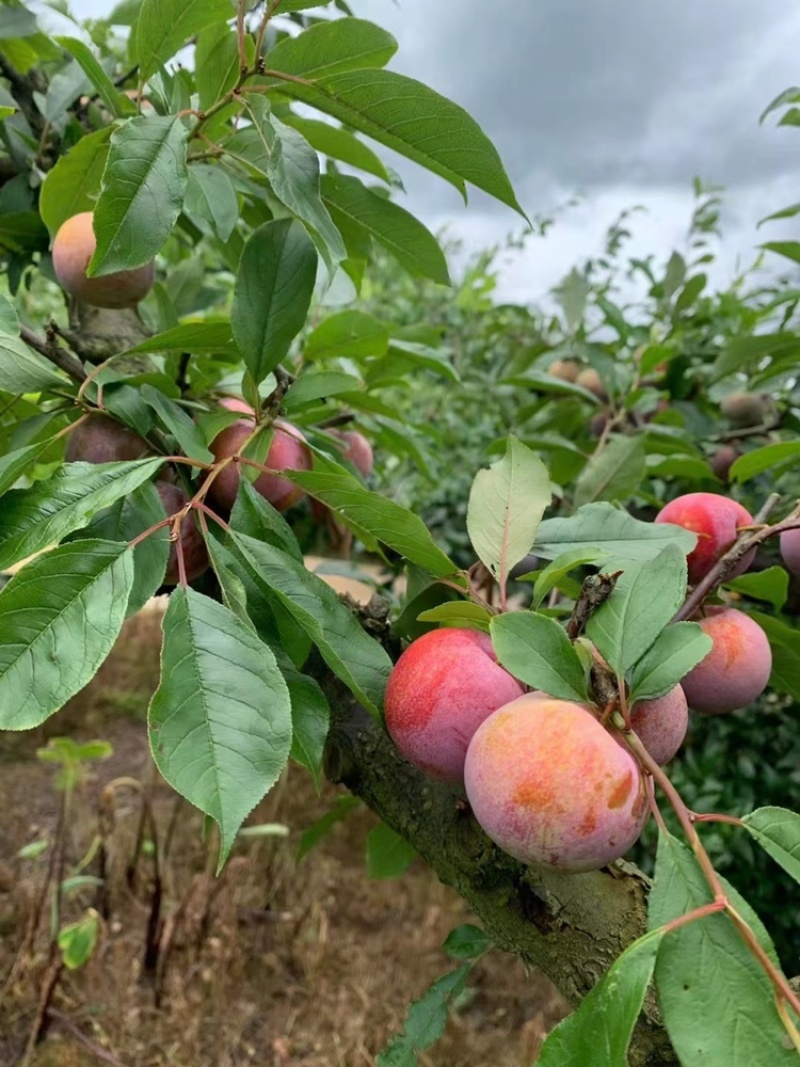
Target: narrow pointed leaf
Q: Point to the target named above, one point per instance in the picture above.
(426, 1020)
(164, 26)
(536, 650)
(645, 598)
(24, 371)
(35, 518)
(116, 102)
(72, 186)
(220, 721)
(706, 972)
(599, 1031)
(561, 566)
(394, 228)
(616, 472)
(676, 650)
(273, 293)
(506, 504)
(354, 657)
(310, 722)
(339, 144)
(14, 464)
(61, 616)
(144, 184)
(332, 47)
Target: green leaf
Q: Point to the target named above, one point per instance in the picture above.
(788, 249)
(784, 641)
(394, 228)
(426, 1020)
(643, 601)
(672, 655)
(354, 657)
(310, 723)
(615, 473)
(432, 359)
(24, 371)
(14, 464)
(374, 514)
(116, 102)
(17, 22)
(705, 973)
(185, 431)
(412, 119)
(561, 566)
(764, 459)
(341, 808)
(458, 613)
(777, 830)
(620, 537)
(747, 352)
(144, 183)
(164, 26)
(388, 854)
(61, 615)
(506, 504)
(210, 196)
(220, 722)
(291, 166)
(73, 185)
(6, 112)
(217, 63)
(273, 293)
(467, 942)
(771, 584)
(536, 650)
(256, 517)
(198, 337)
(599, 1031)
(312, 386)
(234, 594)
(339, 144)
(76, 941)
(35, 518)
(348, 333)
(125, 519)
(332, 47)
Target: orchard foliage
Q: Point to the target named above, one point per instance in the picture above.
(222, 229)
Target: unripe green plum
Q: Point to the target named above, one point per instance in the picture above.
(716, 520)
(287, 451)
(744, 409)
(102, 440)
(73, 247)
(661, 723)
(195, 553)
(790, 550)
(736, 670)
(552, 787)
(440, 690)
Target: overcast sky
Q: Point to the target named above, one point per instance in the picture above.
(620, 101)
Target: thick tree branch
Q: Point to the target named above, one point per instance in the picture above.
(571, 926)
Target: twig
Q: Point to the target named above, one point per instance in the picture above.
(55, 353)
(724, 567)
(98, 1052)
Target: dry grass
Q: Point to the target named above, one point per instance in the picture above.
(274, 963)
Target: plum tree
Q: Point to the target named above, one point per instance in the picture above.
(287, 451)
(193, 546)
(790, 550)
(73, 247)
(736, 670)
(440, 690)
(100, 439)
(716, 520)
(552, 787)
(661, 723)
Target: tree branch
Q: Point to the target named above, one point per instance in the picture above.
(53, 351)
(571, 926)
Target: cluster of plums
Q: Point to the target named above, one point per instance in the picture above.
(546, 779)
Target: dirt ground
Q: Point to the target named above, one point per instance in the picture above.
(277, 962)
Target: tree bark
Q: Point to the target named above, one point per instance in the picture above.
(571, 926)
